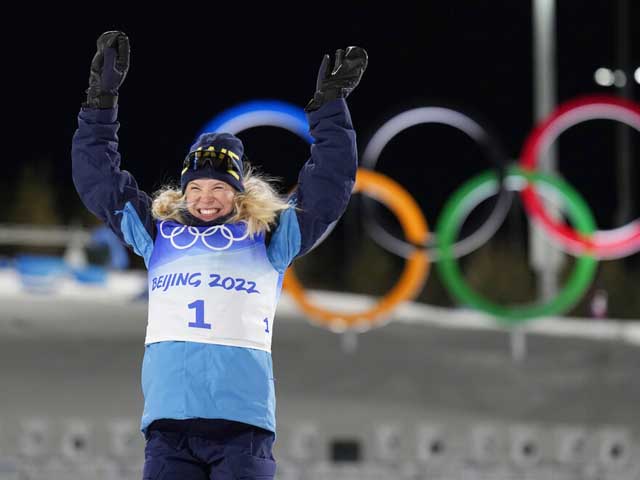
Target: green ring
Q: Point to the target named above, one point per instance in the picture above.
(449, 224)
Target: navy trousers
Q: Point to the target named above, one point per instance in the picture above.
(203, 449)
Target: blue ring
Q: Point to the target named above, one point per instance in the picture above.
(257, 113)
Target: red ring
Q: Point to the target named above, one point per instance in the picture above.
(602, 247)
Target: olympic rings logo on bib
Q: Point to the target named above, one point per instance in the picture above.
(215, 231)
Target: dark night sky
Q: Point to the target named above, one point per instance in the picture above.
(189, 64)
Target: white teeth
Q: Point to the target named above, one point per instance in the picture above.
(207, 211)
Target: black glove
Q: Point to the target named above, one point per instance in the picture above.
(338, 82)
(109, 67)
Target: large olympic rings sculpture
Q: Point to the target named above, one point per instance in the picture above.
(583, 240)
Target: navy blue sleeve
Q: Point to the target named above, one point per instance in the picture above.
(326, 180)
(108, 192)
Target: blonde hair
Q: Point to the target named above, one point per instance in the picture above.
(258, 206)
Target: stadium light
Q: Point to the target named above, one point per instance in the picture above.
(615, 448)
(123, 437)
(525, 446)
(619, 78)
(604, 77)
(388, 442)
(34, 438)
(76, 440)
(432, 444)
(305, 443)
(571, 443)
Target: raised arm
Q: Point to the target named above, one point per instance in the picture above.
(326, 180)
(108, 192)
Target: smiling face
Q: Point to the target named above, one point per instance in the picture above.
(208, 199)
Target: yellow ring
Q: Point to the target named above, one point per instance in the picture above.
(414, 226)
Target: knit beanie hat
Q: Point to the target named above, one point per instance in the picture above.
(215, 155)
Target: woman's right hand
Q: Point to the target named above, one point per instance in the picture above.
(109, 68)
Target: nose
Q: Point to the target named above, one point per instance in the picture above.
(207, 196)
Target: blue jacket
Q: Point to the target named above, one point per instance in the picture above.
(183, 380)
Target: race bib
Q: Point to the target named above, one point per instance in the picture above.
(211, 285)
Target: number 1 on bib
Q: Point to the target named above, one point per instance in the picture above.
(198, 305)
